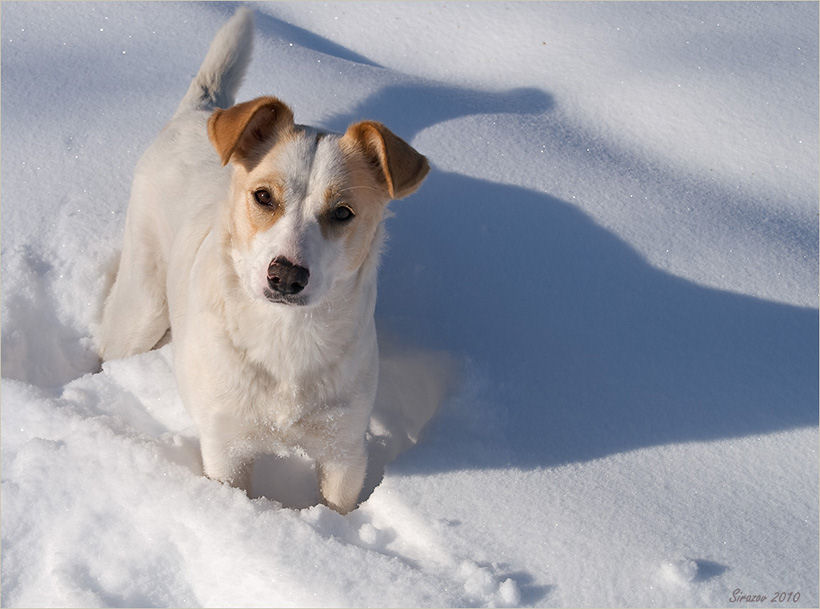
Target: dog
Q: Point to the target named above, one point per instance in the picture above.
(256, 241)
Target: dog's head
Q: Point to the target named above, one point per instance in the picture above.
(306, 206)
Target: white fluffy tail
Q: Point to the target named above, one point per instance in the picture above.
(221, 73)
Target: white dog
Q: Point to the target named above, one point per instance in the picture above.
(265, 272)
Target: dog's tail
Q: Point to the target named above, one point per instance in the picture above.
(221, 73)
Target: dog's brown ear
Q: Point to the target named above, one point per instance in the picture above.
(398, 165)
(240, 131)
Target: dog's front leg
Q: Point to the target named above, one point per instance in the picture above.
(341, 476)
(222, 461)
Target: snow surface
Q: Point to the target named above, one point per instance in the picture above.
(606, 291)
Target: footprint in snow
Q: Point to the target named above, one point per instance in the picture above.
(385, 524)
(686, 571)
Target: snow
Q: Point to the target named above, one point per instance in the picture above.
(598, 315)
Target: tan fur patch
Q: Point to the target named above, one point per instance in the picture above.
(237, 132)
(330, 194)
(262, 218)
(366, 196)
(248, 217)
(401, 167)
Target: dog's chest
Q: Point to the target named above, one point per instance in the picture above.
(290, 370)
(276, 406)
(288, 405)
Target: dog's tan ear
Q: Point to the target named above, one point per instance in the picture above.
(399, 166)
(239, 131)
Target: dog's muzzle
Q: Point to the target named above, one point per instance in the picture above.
(286, 278)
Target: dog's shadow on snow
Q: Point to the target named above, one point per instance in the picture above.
(578, 347)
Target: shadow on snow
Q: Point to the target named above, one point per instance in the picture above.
(586, 349)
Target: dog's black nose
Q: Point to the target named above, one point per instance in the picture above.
(285, 277)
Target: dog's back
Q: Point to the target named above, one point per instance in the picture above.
(179, 166)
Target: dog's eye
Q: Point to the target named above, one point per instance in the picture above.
(263, 197)
(342, 213)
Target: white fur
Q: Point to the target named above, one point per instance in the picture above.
(256, 376)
